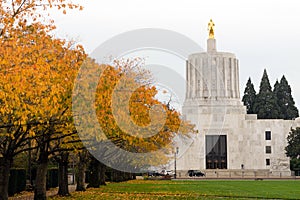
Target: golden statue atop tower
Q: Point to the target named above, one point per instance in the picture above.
(211, 32)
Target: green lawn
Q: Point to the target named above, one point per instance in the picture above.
(202, 189)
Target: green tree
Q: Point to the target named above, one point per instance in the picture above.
(293, 147)
(249, 97)
(295, 166)
(277, 93)
(282, 92)
(266, 104)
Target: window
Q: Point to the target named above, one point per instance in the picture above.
(268, 149)
(268, 162)
(268, 135)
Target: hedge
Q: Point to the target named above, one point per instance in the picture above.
(17, 181)
(52, 178)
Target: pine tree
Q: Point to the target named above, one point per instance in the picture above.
(266, 104)
(249, 97)
(277, 93)
(282, 92)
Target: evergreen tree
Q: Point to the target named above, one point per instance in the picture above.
(266, 104)
(293, 148)
(277, 92)
(285, 101)
(249, 97)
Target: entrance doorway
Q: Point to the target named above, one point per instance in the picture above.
(216, 151)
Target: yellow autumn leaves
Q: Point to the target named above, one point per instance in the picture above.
(37, 75)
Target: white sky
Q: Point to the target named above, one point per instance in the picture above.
(262, 33)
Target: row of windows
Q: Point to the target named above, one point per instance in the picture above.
(268, 148)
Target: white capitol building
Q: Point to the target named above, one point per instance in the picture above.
(230, 143)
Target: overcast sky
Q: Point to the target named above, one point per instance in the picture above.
(262, 33)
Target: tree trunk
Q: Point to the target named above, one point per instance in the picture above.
(97, 174)
(81, 168)
(102, 169)
(80, 177)
(5, 165)
(41, 177)
(118, 176)
(94, 174)
(63, 189)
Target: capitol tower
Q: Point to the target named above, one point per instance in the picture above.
(230, 142)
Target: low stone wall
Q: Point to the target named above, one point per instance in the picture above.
(236, 173)
(246, 173)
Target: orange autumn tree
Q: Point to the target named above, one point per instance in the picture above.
(20, 13)
(138, 122)
(141, 103)
(138, 129)
(37, 74)
(36, 87)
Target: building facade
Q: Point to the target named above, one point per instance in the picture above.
(230, 142)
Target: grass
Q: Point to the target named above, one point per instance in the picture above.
(202, 189)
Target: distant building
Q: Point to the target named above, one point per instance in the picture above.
(230, 143)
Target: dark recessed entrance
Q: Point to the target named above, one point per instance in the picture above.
(216, 151)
